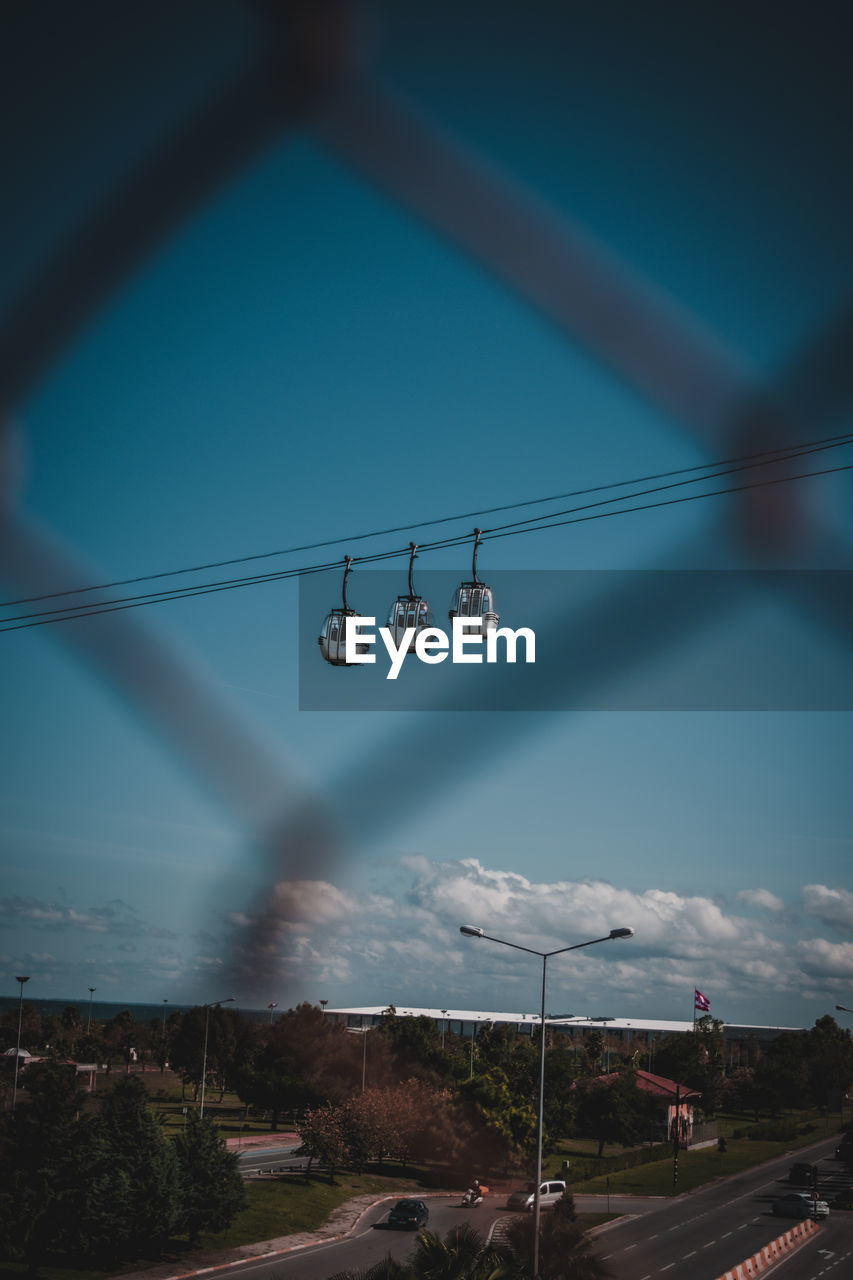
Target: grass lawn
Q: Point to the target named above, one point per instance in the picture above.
(695, 1168)
(287, 1207)
(276, 1208)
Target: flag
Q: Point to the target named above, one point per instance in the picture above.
(700, 1002)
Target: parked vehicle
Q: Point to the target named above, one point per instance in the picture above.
(409, 1213)
(549, 1194)
(798, 1205)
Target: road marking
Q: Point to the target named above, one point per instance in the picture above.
(708, 1245)
(628, 1248)
(689, 1255)
(668, 1267)
(726, 1236)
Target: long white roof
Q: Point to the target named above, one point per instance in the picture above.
(568, 1021)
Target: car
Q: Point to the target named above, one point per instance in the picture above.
(409, 1213)
(549, 1194)
(798, 1205)
(802, 1175)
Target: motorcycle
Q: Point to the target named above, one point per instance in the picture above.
(471, 1199)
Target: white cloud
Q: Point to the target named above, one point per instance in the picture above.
(830, 959)
(830, 906)
(763, 899)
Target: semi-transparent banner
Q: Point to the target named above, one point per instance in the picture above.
(610, 640)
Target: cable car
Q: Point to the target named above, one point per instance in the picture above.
(475, 600)
(409, 611)
(332, 640)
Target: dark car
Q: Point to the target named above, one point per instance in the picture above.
(409, 1213)
(802, 1175)
(797, 1205)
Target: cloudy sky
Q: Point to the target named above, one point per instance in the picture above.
(626, 226)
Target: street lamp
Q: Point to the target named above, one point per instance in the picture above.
(165, 1002)
(842, 1008)
(474, 931)
(18, 1048)
(443, 1028)
(273, 1005)
(323, 1004)
(214, 1004)
(92, 991)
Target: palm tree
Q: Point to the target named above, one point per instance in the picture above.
(387, 1269)
(461, 1255)
(564, 1250)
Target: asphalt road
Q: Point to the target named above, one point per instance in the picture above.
(702, 1235)
(267, 1158)
(693, 1237)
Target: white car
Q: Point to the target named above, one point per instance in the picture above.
(799, 1205)
(549, 1194)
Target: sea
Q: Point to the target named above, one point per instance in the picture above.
(103, 1010)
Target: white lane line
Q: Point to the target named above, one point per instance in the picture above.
(689, 1255)
(667, 1268)
(708, 1245)
(726, 1236)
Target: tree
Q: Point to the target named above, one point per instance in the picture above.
(46, 1167)
(505, 1121)
(564, 1250)
(143, 1200)
(212, 1190)
(613, 1110)
(461, 1255)
(322, 1132)
(830, 1062)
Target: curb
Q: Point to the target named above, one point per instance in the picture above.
(778, 1248)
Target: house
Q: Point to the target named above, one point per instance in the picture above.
(673, 1104)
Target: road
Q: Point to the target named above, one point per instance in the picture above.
(269, 1158)
(694, 1237)
(700, 1236)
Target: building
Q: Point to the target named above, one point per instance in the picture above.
(623, 1036)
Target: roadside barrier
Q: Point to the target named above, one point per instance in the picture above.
(772, 1252)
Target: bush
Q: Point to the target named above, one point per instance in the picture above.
(782, 1130)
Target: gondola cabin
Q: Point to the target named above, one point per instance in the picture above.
(405, 612)
(332, 639)
(475, 600)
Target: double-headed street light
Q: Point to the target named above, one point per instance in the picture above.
(214, 1004)
(842, 1008)
(474, 931)
(18, 1046)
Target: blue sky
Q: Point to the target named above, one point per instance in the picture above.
(303, 359)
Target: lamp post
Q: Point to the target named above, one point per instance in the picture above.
(165, 1002)
(214, 1004)
(443, 1028)
(323, 1004)
(22, 980)
(273, 1005)
(474, 931)
(92, 991)
(363, 1032)
(842, 1008)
